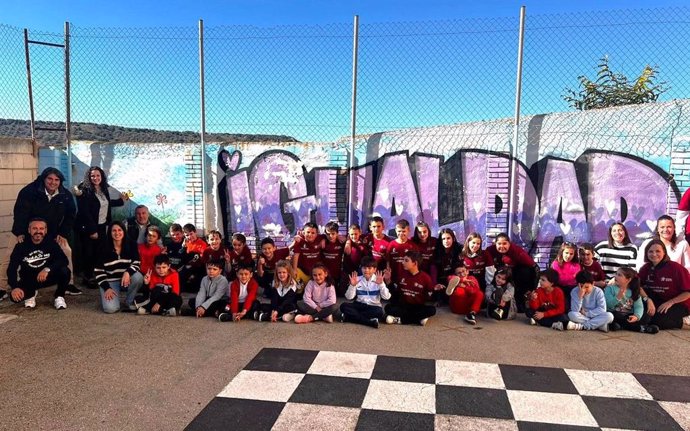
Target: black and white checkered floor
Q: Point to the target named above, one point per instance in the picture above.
(320, 390)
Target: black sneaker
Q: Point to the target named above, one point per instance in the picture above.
(615, 326)
(73, 290)
(373, 322)
(225, 317)
(264, 317)
(649, 329)
(471, 319)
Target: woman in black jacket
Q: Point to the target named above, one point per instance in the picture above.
(94, 203)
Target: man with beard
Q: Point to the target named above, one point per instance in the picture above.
(48, 199)
(39, 262)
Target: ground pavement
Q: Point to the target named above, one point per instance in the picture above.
(81, 369)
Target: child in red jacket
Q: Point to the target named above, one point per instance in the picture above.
(546, 305)
(164, 289)
(243, 300)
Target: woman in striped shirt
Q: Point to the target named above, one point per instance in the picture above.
(118, 269)
(617, 251)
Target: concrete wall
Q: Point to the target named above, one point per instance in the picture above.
(18, 167)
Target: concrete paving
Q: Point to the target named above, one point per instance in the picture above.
(81, 369)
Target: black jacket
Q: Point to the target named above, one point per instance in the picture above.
(32, 202)
(89, 207)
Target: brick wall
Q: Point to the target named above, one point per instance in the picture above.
(18, 168)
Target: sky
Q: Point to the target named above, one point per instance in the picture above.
(285, 67)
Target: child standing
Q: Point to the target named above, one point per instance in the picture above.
(377, 241)
(332, 250)
(415, 288)
(213, 292)
(398, 248)
(367, 290)
(215, 249)
(624, 302)
(500, 296)
(283, 296)
(193, 270)
(149, 249)
(588, 306)
(546, 305)
(266, 262)
(164, 287)
(465, 295)
(587, 262)
(243, 300)
(354, 250)
(567, 266)
(306, 252)
(174, 247)
(239, 256)
(426, 244)
(319, 298)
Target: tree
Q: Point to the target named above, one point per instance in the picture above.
(614, 89)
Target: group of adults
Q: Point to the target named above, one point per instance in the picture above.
(45, 215)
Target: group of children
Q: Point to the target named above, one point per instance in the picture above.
(414, 273)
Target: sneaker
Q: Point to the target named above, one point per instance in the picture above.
(534, 322)
(142, 311)
(141, 303)
(392, 320)
(60, 303)
(614, 327)
(423, 321)
(257, 316)
(498, 313)
(287, 317)
(303, 318)
(686, 321)
(649, 329)
(225, 317)
(452, 284)
(328, 318)
(343, 318)
(171, 312)
(471, 319)
(73, 290)
(30, 302)
(373, 322)
(572, 326)
(558, 326)
(264, 317)
(604, 327)
(4, 295)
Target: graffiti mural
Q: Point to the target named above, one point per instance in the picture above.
(555, 200)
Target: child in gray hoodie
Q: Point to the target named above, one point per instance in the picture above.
(213, 293)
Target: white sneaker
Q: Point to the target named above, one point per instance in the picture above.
(604, 327)
(686, 321)
(142, 311)
(60, 303)
(423, 321)
(393, 320)
(452, 284)
(572, 326)
(30, 302)
(558, 326)
(534, 322)
(288, 317)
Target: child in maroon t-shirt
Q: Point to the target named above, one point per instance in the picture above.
(426, 244)
(377, 242)
(354, 250)
(414, 289)
(306, 252)
(239, 255)
(332, 251)
(592, 266)
(398, 248)
(266, 262)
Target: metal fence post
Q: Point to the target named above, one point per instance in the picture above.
(516, 125)
(353, 124)
(68, 114)
(202, 102)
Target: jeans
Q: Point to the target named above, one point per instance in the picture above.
(590, 323)
(113, 305)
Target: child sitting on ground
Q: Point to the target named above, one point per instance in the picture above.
(319, 298)
(546, 305)
(415, 289)
(465, 296)
(367, 290)
(588, 306)
(500, 296)
(266, 263)
(164, 289)
(213, 292)
(623, 300)
(243, 300)
(283, 296)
